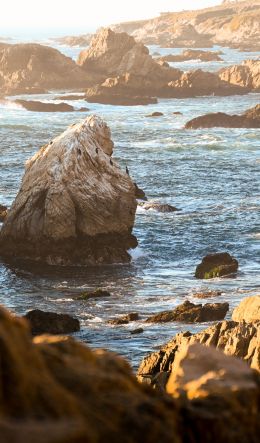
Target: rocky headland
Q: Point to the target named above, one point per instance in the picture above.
(249, 119)
(235, 25)
(75, 205)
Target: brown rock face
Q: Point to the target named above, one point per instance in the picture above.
(216, 265)
(3, 212)
(238, 339)
(55, 390)
(42, 322)
(218, 395)
(248, 310)
(246, 75)
(31, 67)
(197, 82)
(75, 205)
(191, 313)
(249, 119)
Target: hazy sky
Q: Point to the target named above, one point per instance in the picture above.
(84, 15)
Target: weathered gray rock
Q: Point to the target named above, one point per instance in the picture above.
(75, 205)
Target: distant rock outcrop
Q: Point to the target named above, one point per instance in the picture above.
(235, 25)
(192, 54)
(246, 75)
(74, 40)
(249, 119)
(75, 205)
(30, 67)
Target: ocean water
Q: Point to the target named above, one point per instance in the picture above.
(212, 175)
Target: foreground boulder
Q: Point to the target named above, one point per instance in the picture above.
(216, 265)
(248, 310)
(75, 205)
(55, 390)
(246, 75)
(37, 106)
(218, 395)
(238, 339)
(30, 67)
(42, 322)
(191, 313)
(249, 119)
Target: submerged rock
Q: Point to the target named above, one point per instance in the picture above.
(155, 114)
(218, 396)
(216, 265)
(37, 106)
(159, 207)
(56, 390)
(3, 212)
(137, 331)
(238, 339)
(249, 119)
(125, 319)
(75, 205)
(42, 322)
(98, 293)
(248, 310)
(192, 313)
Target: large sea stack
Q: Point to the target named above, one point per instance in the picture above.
(75, 205)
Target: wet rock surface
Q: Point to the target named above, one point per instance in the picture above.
(192, 313)
(75, 205)
(98, 293)
(37, 106)
(216, 265)
(249, 119)
(42, 322)
(159, 207)
(125, 319)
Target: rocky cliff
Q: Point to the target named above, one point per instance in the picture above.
(235, 25)
(75, 205)
(32, 67)
(246, 75)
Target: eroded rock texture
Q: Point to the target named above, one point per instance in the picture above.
(75, 205)
(55, 390)
(246, 75)
(238, 339)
